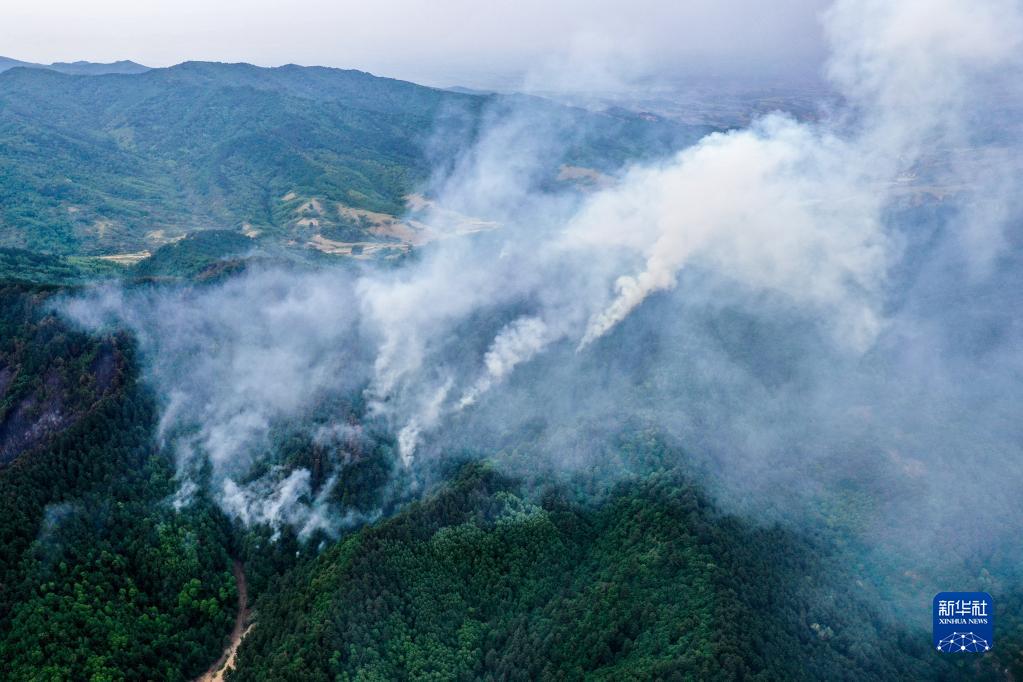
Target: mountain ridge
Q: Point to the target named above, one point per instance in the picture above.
(79, 67)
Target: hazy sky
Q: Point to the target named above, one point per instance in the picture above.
(441, 41)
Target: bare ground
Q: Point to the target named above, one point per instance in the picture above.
(241, 628)
(126, 258)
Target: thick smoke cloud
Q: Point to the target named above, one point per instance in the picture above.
(780, 207)
(232, 363)
(811, 306)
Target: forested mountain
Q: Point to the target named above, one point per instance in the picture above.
(216, 314)
(102, 575)
(102, 165)
(103, 578)
(100, 578)
(477, 582)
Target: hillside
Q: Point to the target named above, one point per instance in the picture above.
(100, 578)
(481, 581)
(636, 576)
(117, 164)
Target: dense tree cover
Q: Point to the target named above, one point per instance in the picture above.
(36, 268)
(118, 163)
(49, 374)
(100, 577)
(120, 589)
(478, 582)
(193, 254)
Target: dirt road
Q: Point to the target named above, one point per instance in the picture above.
(241, 628)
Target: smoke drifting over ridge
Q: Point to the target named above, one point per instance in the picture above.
(789, 298)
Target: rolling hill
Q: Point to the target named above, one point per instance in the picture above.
(121, 163)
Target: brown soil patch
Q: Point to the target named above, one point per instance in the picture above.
(242, 626)
(335, 248)
(126, 258)
(160, 237)
(585, 177)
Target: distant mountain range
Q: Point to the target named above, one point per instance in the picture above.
(79, 68)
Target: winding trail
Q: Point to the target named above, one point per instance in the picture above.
(241, 628)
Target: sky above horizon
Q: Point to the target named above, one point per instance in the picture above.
(563, 44)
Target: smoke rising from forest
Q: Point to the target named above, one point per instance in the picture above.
(807, 305)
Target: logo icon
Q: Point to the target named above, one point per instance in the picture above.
(964, 622)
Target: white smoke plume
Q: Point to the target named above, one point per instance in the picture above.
(782, 206)
(518, 342)
(426, 417)
(784, 225)
(231, 361)
(797, 207)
